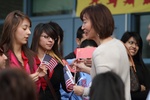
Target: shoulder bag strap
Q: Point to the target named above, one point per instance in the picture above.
(51, 87)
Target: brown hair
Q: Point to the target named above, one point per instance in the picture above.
(101, 19)
(12, 20)
(15, 84)
(50, 31)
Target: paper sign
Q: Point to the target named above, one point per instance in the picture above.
(85, 52)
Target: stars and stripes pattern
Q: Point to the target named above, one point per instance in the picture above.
(68, 79)
(50, 62)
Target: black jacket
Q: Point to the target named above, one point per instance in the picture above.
(56, 79)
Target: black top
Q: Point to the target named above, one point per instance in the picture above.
(143, 75)
(56, 80)
(70, 56)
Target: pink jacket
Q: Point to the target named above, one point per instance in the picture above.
(14, 63)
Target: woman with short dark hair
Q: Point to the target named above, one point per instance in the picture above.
(110, 55)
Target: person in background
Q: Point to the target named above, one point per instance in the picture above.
(14, 40)
(111, 54)
(45, 41)
(84, 79)
(134, 44)
(148, 40)
(148, 35)
(81, 78)
(80, 36)
(15, 84)
(3, 59)
(107, 86)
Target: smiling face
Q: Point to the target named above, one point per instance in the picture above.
(132, 46)
(87, 28)
(22, 33)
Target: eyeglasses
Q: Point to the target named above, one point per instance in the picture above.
(132, 42)
(47, 37)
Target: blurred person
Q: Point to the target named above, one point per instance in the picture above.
(111, 54)
(148, 39)
(134, 44)
(80, 36)
(84, 79)
(45, 41)
(15, 84)
(107, 86)
(14, 40)
(3, 59)
(81, 78)
(148, 35)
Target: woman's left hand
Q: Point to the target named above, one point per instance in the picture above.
(42, 69)
(78, 90)
(143, 88)
(35, 76)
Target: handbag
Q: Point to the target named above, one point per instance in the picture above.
(134, 82)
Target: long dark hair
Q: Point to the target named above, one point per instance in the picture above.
(127, 35)
(138, 60)
(60, 33)
(15, 84)
(49, 30)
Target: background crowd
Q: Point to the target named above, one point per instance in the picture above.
(39, 72)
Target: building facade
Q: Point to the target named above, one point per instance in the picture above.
(64, 13)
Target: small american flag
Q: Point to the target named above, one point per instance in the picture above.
(68, 78)
(50, 62)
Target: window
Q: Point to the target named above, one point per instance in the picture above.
(6, 6)
(51, 7)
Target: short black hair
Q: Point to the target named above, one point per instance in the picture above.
(80, 32)
(88, 42)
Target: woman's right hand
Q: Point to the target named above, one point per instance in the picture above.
(42, 69)
(143, 88)
(35, 76)
(81, 67)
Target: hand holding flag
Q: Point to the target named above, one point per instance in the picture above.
(68, 79)
(42, 70)
(49, 62)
